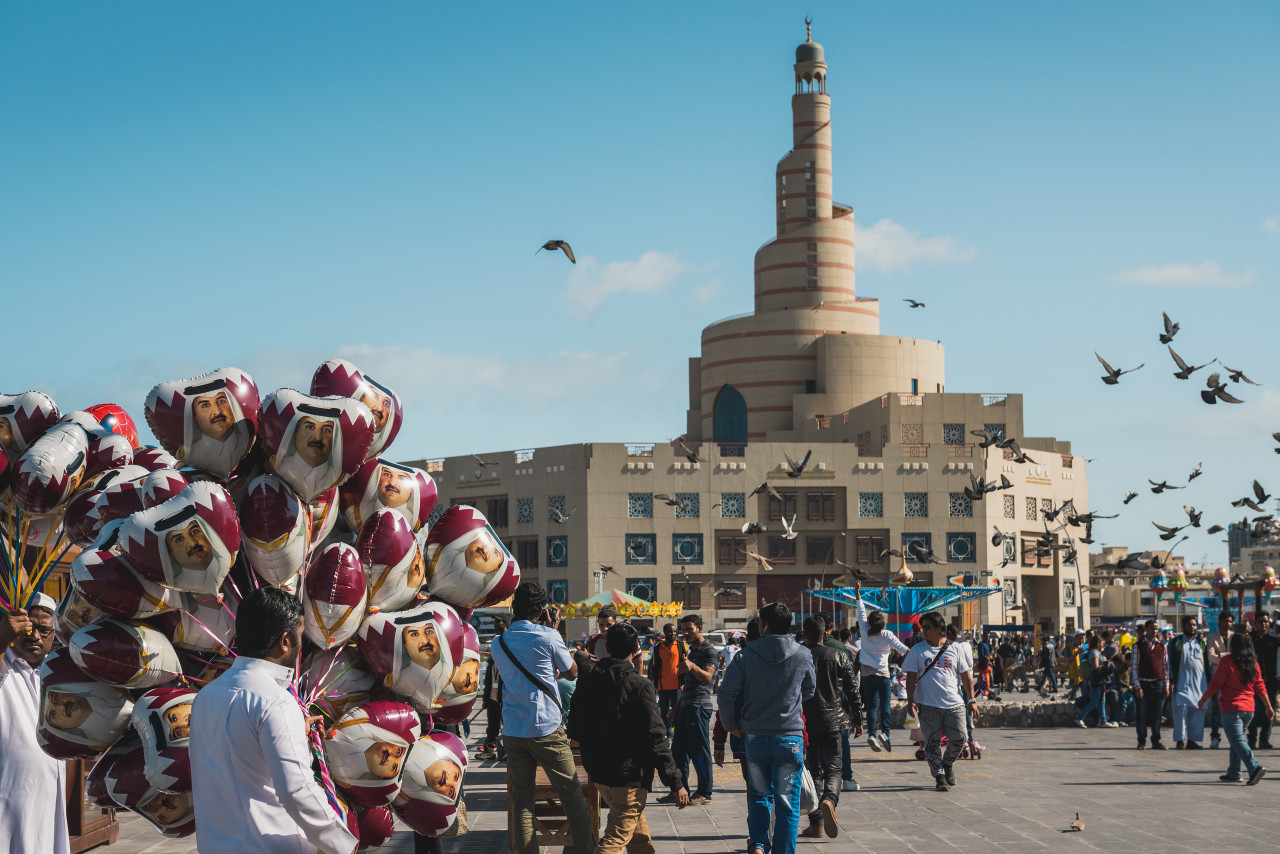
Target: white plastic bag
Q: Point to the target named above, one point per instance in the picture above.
(912, 722)
(808, 792)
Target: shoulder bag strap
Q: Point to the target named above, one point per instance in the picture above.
(934, 660)
(538, 683)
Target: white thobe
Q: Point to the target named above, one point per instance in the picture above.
(1192, 680)
(251, 768)
(33, 785)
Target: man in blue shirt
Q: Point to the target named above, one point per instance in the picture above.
(530, 656)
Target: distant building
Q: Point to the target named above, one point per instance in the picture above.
(807, 370)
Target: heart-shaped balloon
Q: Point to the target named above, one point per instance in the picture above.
(207, 422)
(314, 443)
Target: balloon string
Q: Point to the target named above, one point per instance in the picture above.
(222, 644)
(322, 681)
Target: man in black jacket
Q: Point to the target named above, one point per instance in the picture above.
(835, 705)
(1265, 646)
(614, 718)
(491, 702)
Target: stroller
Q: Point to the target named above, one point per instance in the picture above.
(972, 750)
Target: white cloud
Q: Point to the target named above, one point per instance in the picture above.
(1207, 274)
(589, 284)
(892, 246)
(1271, 225)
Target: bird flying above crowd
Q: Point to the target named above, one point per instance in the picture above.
(914, 303)
(562, 245)
(1238, 376)
(1170, 329)
(795, 468)
(1113, 375)
(1216, 390)
(1185, 371)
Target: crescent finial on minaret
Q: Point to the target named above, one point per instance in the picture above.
(808, 28)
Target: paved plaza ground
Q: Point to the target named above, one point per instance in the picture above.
(1019, 797)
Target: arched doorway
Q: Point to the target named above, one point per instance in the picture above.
(729, 419)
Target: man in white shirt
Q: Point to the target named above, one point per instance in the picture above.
(935, 673)
(33, 806)
(250, 760)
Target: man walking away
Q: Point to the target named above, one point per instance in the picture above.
(492, 703)
(1188, 678)
(936, 672)
(774, 676)
(1151, 680)
(530, 655)
(1219, 645)
(826, 715)
(664, 669)
(615, 720)
(252, 786)
(1265, 647)
(692, 715)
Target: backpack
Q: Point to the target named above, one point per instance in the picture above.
(1084, 665)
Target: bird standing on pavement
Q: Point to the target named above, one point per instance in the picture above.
(1078, 824)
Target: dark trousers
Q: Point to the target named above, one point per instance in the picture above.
(823, 762)
(1260, 726)
(1150, 712)
(667, 700)
(692, 741)
(494, 728)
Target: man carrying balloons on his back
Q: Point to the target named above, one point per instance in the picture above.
(33, 811)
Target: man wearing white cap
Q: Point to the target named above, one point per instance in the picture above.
(33, 808)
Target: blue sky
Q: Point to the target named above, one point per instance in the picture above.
(187, 186)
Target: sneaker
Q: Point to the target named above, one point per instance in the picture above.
(884, 742)
(1082, 724)
(699, 801)
(666, 799)
(950, 774)
(873, 742)
(1215, 743)
(1224, 778)
(1258, 774)
(940, 783)
(1112, 725)
(813, 831)
(850, 785)
(829, 823)
(1265, 745)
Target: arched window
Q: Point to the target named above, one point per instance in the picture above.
(730, 417)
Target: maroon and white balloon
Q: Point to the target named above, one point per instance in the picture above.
(162, 719)
(275, 530)
(173, 814)
(314, 443)
(206, 422)
(324, 514)
(431, 783)
(72, 615)
(395, 566)
(52, 468)
(334, 596)
(339, 679)
(23, 419)
(106, 581)
(383, 484)
(340, 377)
(79, 716)
(152, 458)
(124, 654)
(414, 652)
(161, 485)
(95, 782)
(366, 749)
(376, 826)
(459, 694)
(467, 563)
(188, 543)
(80, 516)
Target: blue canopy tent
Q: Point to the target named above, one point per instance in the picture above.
(903, 606)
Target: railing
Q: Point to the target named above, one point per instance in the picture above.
(524, 456)
(915, 449)
(727, 319)
(870, 449)
(994, 399)
(965, 450)
(643, 449)
(433, 465)
(733, 449)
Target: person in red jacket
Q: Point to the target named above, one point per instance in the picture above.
(1238, 679)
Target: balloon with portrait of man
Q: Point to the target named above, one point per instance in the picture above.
(207, 422)
(79, 716)
(314, 443)
(366, 748)
(431, 783)
(467, 562)
(188, 543)
(340, 377)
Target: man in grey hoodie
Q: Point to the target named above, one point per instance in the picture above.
(774, 676)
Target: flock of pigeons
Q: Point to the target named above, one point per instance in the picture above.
(1215, 389)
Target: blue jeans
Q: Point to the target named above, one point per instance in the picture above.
(693, 741)
(1233, 724)
(666, 701)
(875, 697)
(1097, 702)
(1122, 708)
(846, 757)
(773, 782)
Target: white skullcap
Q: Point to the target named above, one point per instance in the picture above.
(41, 600)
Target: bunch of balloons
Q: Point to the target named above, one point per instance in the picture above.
(286, 490)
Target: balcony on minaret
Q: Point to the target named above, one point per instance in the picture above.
(811, 69)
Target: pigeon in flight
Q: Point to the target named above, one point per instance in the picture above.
(788, 528)
(1193, 514)
(1088, 534)
(483, 463)
(1000, 536)
(1132, 562)
(1129, 496)
(765, 487)
(608, 569)
(1216, 391)
(923, 554)
(753, 528)
(1169, 533)
(1238, 376)
(914, 303)
(860, 574)
(884, 554)
(1261, 495)
(993, 437)
(795, 468)
(761, 560)
(1195, 472)
(560, 518)
(1113, 375)
(1160, 487)
(1170, 329)
(1185, 371)
(689, 453)
(668, 500)
(562, 245)
(1215, 529)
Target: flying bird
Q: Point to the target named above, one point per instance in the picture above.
(860, 574)
(1185, 371)
(607, 568)
(1132, 562)
(1193, 514)
(1238, 376)
(914, 303)
(884, 554)
(1195, 472)
(1088, 534)
(1215, 529)
(1113, 375)
(689, 453)
(993, 437)
(1169, 533)
(761, 560)
(923, 554)
(1160, 487)
(1170, 329)
(765, 487)
(999, 536)
(560, 518)
(753, 528)
(797, 467)
(1129, 496)
(562, 245)
(1217, 390)
(1259, 493)
(483, 463)
(789, 527)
